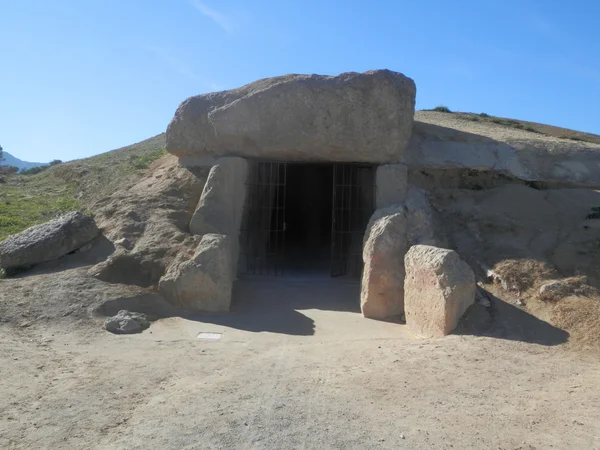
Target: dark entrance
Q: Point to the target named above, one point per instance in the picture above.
(305, 218)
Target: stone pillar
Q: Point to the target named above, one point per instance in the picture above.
(221, 204)
(382, 289)
(391, 231)
(390, 185)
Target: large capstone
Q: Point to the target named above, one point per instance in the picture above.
(438, 289)
(351, 117)
(48, 241)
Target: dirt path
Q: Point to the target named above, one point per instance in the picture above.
(334, 381)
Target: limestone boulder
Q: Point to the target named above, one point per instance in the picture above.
(48, 241)
(351, 117)
(204, 282)
(439, 287)
(382, 289)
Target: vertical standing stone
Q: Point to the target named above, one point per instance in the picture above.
(221, 204)
(439, 287)
(382, 289)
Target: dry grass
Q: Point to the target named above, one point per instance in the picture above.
(523, 275)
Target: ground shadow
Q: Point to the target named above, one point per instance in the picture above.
(262, 304)
(275, 305)
(505, 321)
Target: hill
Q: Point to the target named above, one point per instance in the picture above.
(26, 200)
(10, 160)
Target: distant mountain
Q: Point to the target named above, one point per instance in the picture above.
(10, 160)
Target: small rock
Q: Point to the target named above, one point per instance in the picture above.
(126, 322)
(519, 302)
(124, 242)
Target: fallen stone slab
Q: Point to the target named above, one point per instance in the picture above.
(48, 241)
(438, 288)
(126, 322)
(350, 117)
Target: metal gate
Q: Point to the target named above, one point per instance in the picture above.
(262, 237)
(262, 243)
(352, 207)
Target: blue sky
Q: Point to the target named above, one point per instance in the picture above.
(80, 77)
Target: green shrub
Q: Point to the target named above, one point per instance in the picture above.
(484, 115)
(442, 108)
(34, 170)
(530, 128)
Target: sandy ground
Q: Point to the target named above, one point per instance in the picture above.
(288, 373)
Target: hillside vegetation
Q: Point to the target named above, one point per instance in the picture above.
(533, 127)
(26, 200)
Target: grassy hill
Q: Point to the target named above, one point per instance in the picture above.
(533, 127)
(26, 200)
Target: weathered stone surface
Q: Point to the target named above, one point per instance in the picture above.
(382, 290)
(447, 141)
(439, 287)
(203, 283)
(420, 219)
(222, 201)
(126, 322)
(390, 185)
(47, 241)
(351, 117)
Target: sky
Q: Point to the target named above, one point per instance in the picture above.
(81, 77)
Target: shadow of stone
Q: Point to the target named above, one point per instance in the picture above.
(152, 304)
(505, 321)
(253, 317)
(282, 321)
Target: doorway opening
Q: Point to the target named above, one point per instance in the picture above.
(305, 218)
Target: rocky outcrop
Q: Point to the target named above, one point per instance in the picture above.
(149, 223)
(382, 290)
(204, 282)
(447, 142)
(351, 117)
(48, 241)
(438, 289)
